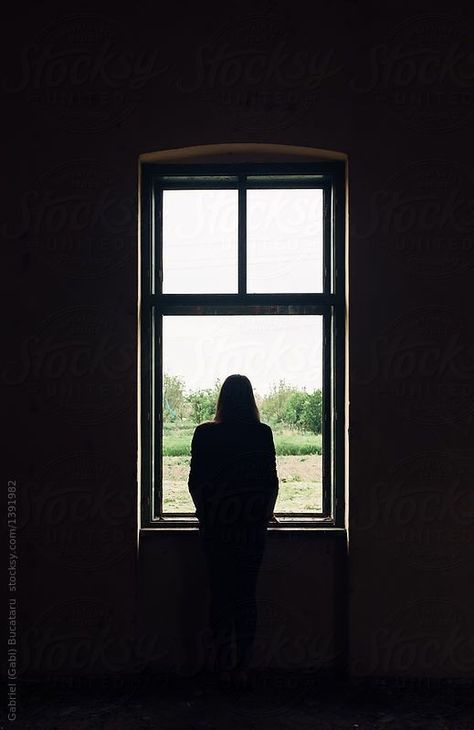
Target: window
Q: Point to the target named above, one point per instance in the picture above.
(242, 270)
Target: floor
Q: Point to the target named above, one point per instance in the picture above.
(275, 702)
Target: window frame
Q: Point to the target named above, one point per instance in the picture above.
(331, 175)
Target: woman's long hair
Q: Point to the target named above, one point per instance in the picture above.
(236, 401)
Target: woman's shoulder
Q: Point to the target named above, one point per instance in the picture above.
(205, 425)
(215, 425)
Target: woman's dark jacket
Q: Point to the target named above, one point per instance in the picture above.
(233, 479)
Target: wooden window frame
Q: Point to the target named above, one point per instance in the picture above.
(330, 303)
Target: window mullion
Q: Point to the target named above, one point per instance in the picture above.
(157, 258)
(157, 418)
(326, 415)
(327, 234)
(329, 303)
(242, 236)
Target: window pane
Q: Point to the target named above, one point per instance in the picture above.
(284, 240)
(282, 357)
(200, 241)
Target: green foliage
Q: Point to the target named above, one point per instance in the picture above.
(288, 441)
(204, 402)
(274, 404)
(297, 408)
(174, 401)
(311, 415)
(302, 443)
(177, 442)
(294, 408)
(294, 415)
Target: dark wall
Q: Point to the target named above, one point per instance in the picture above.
(87, 90)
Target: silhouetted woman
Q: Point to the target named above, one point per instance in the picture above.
(233, 482)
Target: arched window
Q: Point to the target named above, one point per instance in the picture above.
(242, 269)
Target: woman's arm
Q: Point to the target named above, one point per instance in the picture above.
(271, 480)
(272, 462)
(195, 479)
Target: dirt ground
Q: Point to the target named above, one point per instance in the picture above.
(274, 703)
(299, 488)
(307, 468)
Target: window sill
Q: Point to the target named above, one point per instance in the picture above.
(321, 529)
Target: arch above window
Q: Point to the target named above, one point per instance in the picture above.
(235, 152)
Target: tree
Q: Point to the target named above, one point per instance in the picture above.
(311, 414)
(275, 403)
(173, 398)
(258, 400)
(294, 408)
(204, 402)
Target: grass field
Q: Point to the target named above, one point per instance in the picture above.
(288, 442)
(298, 456)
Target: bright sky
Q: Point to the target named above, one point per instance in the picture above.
(266, 348)
(284, 254)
